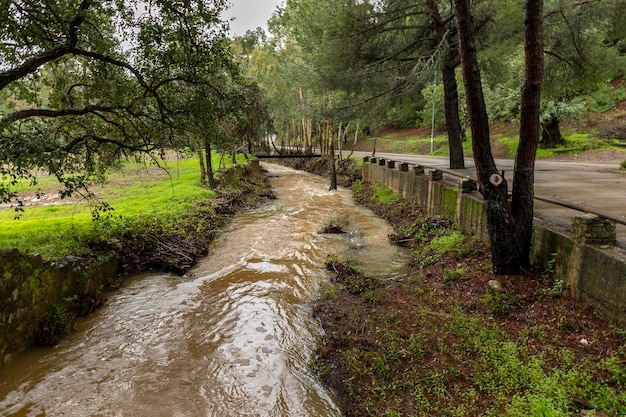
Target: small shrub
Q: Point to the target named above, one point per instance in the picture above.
(54, 324)
(384, 195)
(450, 275)
(337, 225)
(499, 303)
(450, 243)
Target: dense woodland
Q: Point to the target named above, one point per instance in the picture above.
(85, 84)
(372, 64)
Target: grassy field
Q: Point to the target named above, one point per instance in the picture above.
(55, 228)
(579, 138)
(504, 144)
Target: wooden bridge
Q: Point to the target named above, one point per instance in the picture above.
(308, 155)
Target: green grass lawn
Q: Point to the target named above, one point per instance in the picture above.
(135, 190)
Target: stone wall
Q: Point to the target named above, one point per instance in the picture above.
(593, 269)
(36, 293)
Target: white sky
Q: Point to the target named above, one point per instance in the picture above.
(250, 14)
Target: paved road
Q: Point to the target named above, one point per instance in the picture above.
(596, 186)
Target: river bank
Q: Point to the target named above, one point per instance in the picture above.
(43, 298)
(348, 169)
(233, 336)
(453, 339)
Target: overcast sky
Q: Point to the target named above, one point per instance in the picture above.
(250, 14)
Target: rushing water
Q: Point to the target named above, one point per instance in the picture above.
(235, 337)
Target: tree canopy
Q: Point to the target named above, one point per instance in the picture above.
(377, 59)
(327, 64)
(85, 83)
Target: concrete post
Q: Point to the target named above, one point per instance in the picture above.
(435, 175)
(467, 185)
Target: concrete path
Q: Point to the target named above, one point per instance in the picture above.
(595, 186)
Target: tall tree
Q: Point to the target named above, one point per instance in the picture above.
(92, 81)
(388, 50)
(509, 224)
(444, 31)
(582, 55)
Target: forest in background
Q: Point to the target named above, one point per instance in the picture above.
(348, 68)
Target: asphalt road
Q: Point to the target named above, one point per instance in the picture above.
(595, 186)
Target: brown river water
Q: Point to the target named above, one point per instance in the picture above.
(234, 337)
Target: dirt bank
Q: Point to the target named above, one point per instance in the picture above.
(446, 341)
(179, 250)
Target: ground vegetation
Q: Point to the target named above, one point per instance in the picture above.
(451, 338)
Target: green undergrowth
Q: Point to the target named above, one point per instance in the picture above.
(438, 342)
(573, 144)
(136, 194)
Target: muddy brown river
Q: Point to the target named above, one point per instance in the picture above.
(234, 337)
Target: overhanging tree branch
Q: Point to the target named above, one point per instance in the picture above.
(25, 114)
(33, 64)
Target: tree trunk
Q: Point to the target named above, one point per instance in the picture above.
(450, 90)
(209, 165)
(551, 133)
(202, 168)
(356, 138)
(522, 204)
(333, 170)
(453, 123)
(492, 185)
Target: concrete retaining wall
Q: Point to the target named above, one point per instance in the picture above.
(595, 273)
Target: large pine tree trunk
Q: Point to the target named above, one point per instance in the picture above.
(451, 92)
(453, 123)
(524, 179)
(510, 226)
(492, 185)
